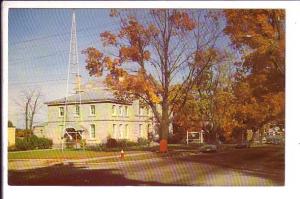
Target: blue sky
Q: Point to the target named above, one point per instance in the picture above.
(39, 41)
(38, 48)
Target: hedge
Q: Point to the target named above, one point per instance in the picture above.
(33, 142)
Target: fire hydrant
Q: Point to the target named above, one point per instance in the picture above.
(122, 154)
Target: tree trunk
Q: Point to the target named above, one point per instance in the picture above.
(26, 116)
(164, 128)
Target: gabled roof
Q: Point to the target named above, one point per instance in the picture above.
(96, 95)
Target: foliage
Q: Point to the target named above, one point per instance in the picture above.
(111, 143)
(142, 141)
(23, 133)
(10, 124)
(259, 35)
(158, 45)
(33, 142)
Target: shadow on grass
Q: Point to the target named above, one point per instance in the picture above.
(69, 175)
(267, 162)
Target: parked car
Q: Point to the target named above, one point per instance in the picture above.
(208, 148)
(243, 145)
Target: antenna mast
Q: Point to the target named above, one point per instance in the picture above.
(74, 76)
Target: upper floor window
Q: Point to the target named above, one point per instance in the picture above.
(114, 111)
(140, 110)
(77, 110)
(61, 111)
(93, 109)
(120, 110)
(114, 131)
(126, 110)
(148, 111)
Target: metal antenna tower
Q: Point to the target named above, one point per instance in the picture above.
(74, 77)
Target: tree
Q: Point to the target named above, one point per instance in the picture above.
(10, 124)
(211, 104)
(259, 35)
(153, 52)
(29, 104)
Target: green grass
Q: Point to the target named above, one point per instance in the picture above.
(127, 158)
(58, 154)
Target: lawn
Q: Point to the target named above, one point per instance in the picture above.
(58, 154)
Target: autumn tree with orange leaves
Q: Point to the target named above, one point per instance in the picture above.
(158, 55)
(259, 36)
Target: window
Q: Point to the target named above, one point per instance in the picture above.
(114, 110)
(140, 130)
(120, 131)
(61, 130)
(120, 110)
(140, 110)
(148, 128)
(61, 111)
(114, 130)
(126, 110)
(77, 110)
(93, 131)
(93, 110)
(148, 111)
(126, 131)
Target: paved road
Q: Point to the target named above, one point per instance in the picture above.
(156, 171)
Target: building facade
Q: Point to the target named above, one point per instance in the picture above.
(100, 115)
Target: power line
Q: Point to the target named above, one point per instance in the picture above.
(56, 35)
(36, 82)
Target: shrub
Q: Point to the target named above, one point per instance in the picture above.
(33, 142)
(23, 144)
(98, 147)
(111, 143)
(176, 139)
(44, 143)
(23, 133)
(142, 141)
(10, 124)
(82, 143)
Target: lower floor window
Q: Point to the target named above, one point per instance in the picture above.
(140, 130)
(93, 131)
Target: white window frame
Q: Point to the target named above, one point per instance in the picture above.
(141, 110)
(77, 113)
(126, 111)
(91, 137)
(91, 112)
(140, 130)
(120, 110)
(114, 130)
(126, 131)
(59, 112)
(114, 112)
(120, 131)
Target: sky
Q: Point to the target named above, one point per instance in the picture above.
(38, 51)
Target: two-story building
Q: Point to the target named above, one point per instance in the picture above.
(101, 115)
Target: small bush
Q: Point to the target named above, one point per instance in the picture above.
(44, 143)
(142, 141)
(33, 142)
(98, 147)
(111, 143)
(82, 143)
(23, 133)
(10, 124)
(176, 139)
